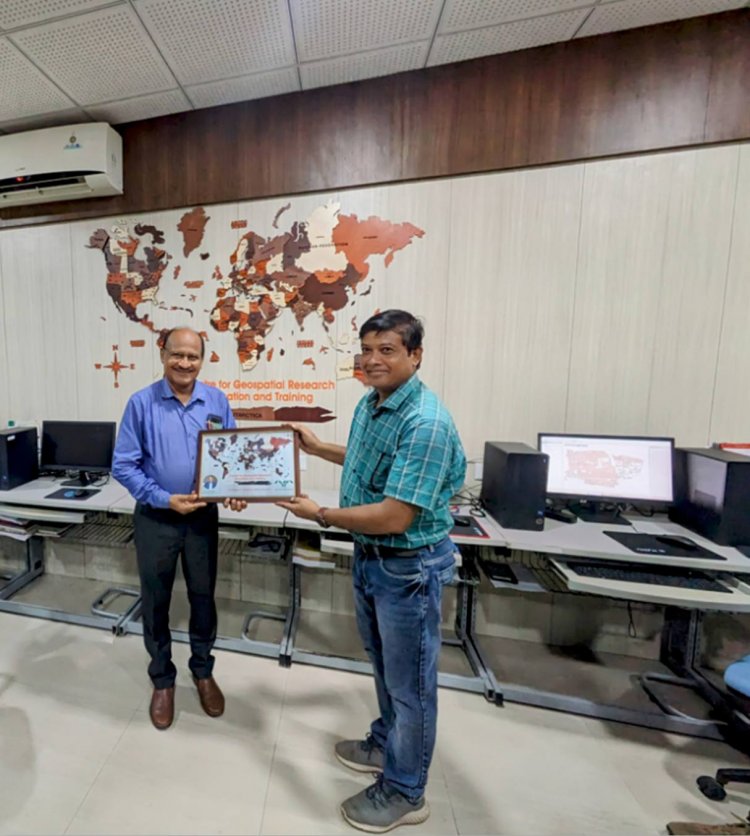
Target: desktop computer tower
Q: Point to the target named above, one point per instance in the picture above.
(712, 487)
(19, 457)
(514, 484)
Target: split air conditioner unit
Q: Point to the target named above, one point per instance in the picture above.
(65, 163)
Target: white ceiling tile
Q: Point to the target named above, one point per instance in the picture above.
(45, 120)
(397, 59)
(508, 37)
(24, 90)
(470, 14)
(143, 107)
(14, 13)
(244, 89)
(327, 28)
(205, 41)
(97, 57)
(627, 14)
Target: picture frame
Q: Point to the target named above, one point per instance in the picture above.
(257, 464)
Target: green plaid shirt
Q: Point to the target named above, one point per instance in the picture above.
(408, 449)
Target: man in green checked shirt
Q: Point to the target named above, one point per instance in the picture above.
(402, 464)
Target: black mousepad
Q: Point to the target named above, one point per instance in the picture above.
(466, 526)
(70, 493)
(654, 544)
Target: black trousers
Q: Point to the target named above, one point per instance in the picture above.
(162, 536)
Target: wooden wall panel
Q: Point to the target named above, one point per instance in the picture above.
(678, 84)
(609, 296)
(39, 315)
(5, 415)
(514, 241)
(727, 112)
(655, 242)
(618, 287)
(731, 403)
(701, 189)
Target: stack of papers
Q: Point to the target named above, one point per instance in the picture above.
(50, 529)
(16, 529)
(307, 552)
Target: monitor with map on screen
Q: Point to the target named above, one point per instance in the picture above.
(597, 474)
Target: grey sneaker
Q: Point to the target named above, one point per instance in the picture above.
(360, 755)
(380, 808)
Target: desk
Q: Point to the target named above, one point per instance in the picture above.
(35, 493)
(114, 500)
(266, 515)
(30, 502)
(559, 542)
(583, 539)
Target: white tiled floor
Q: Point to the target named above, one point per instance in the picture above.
(78, 754)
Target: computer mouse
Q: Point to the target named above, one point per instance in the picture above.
(69, 494)
(462, 521)
(677, 542)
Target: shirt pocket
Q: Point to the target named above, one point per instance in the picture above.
(380, 473)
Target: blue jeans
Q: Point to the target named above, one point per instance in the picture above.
(397, 602)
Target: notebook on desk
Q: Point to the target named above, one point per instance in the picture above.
(666, 545)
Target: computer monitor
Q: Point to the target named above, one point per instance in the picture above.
(85, 446)
(596, 473)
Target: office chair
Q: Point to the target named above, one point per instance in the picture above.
(737, 680)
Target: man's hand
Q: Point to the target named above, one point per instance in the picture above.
(308, 441)
(313, 446)
(301, 506)
(185, 503)
(235, 504)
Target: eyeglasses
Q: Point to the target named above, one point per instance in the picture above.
(179, 356)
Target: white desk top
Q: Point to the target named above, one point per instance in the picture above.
(256, 513)
(561, 539)
(268, 514)
(36, 493)
(583, 539)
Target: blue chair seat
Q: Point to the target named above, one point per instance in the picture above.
(737, 676)
(737, 680)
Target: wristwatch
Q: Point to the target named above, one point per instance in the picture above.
(320, 518)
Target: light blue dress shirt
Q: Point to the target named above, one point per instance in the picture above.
(157, 445)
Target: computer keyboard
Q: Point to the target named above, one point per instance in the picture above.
(655, 575)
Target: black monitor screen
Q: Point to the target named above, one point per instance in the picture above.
(78, 445)
(609, 468)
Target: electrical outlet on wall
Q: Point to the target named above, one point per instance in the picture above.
(302, 460)
(478, 471)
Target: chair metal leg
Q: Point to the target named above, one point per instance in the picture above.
(647, 681)
(100, 604)
(253, 614)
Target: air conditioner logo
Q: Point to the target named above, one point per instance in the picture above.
(73, 143)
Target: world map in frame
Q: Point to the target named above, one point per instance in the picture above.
(258, 464)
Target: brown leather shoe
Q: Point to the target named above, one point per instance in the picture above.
(212, 700)
(162, 708)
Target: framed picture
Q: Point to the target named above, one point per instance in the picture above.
(260, 464)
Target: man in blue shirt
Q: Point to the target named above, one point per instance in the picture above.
(402, 464)
(155, 459)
